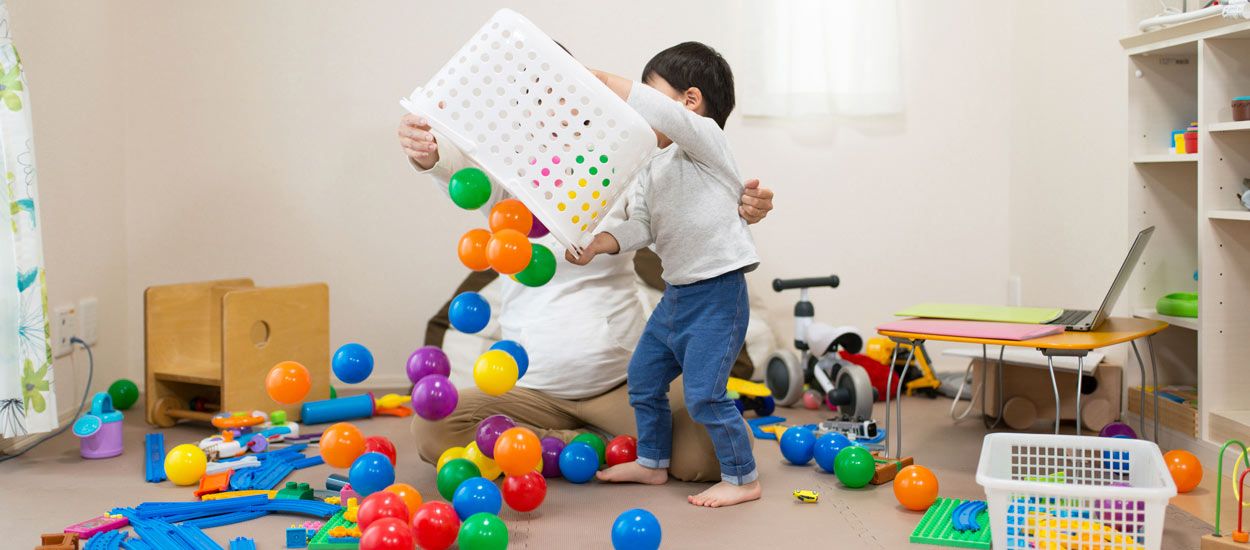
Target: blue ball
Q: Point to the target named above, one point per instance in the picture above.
(469, 312)
(475, 495)
(370, 473)
(797, 445)
(636, 529)
(579, 462)
(352, 363)
(517, 352)
(827, 448)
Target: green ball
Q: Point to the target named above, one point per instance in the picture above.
(469, 188)
(333, 394)
(483, 531)
(542, 267)
(453, 473)
(854, 467)
(595, 443)
(124, 394)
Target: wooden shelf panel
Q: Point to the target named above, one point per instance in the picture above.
(1182, 322)
(1241, 126)
(1165, 158)
(1243, 215)
(192, 371)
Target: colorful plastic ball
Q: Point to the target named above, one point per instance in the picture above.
(288, 382)
(427, 360)
(636, 529)
(622, 449)
(525, 493)
(185, 464)
(1185, 468)
(451, 453)
(475, 495)
(370, 473)
(1114, 429)
(517, 352)
(387, 534)
(827, 448)
(916, 488)
(382, 504)
(379, 444)
(596, 443)
(124, 393)
(469, 188)
(854, 467)
(495, 372)
(551, 456)
(472, 249)
(518, 451)
(489, 430)
(812, 400)
(483, 532)
(469, 312)
(407, 493)
(508, 251)
(341, 444)
(435, 526)
(434, 397)
(540, 269)
(352, 363)
(797, 445)
(510, 214)
(486, 464)
(578, 462)
(539, 230)
(453, 473)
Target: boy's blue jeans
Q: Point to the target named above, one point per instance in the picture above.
(696, 331)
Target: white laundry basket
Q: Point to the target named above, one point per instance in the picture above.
(537, 122)
(1059, 491)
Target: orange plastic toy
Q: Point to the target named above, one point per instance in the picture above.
(916, 488)
(472, 249)
(1185, 468)
(517, 451)
(342, 444)
(509, 251)
(288, 382)
(511, 214)
(238, 420)
(410, 496)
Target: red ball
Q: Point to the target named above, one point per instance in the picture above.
(381, 505)
(387, 534)
(379, 444)
(622, 449)
(524, 493)
(435, 525)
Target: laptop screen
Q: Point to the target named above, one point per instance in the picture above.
(1121, 278)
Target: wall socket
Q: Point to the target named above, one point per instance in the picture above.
(64, 328)
(89, 320)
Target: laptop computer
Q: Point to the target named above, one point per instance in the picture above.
(1082, 320)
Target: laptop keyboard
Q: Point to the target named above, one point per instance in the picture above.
(1070, 317)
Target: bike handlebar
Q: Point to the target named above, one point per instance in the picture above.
(831, 281)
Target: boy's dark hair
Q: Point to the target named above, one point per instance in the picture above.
(697, 65)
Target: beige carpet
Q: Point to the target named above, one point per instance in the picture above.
(52, 487)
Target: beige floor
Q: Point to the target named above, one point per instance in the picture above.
(51, 487)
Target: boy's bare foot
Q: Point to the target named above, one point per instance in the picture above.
(633, 472)
(726, 494)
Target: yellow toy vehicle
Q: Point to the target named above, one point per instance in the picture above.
(806, 495)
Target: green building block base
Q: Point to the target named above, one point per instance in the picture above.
(320, 541)
(935, 527)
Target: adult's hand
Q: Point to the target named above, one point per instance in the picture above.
(757, 201)
(417, 141)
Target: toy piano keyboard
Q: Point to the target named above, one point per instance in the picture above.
(539, 123)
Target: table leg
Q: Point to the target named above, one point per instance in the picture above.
(1154, 370)
(1080, 373)
(1141, 415)
(889, 379)
(1054, 385)
(998, 381)
(898, 400)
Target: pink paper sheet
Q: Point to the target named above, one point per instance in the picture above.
(972, 329)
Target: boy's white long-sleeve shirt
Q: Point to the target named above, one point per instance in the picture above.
(685, 199)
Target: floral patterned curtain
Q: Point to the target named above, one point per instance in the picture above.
(27, 399)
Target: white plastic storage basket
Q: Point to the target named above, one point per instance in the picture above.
(1059, 491)
(537, 122)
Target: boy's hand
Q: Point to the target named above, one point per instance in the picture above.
(757, 201)
(603, 243)
(417, 141)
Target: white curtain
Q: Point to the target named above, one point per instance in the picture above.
(819, 57)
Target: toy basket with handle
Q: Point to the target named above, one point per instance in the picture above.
(1059, 491)
(539, 123)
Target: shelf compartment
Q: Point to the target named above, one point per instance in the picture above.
(1236, 126)
(1182, 322)
(1165, 158)
(1242, 215)
(1229, 424)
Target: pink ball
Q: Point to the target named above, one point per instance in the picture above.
(427, 360)
(434, 397)
(811, 400)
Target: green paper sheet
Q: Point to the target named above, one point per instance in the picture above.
(972, 312)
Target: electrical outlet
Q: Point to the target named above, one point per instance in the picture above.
(89, 320)
(64, 327)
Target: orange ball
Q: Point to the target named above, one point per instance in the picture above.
(472, 249)
(288, 382)
(341, 444)
(517, 451)
(410, 496)
(508, 251)
(916, 488)
(1185, 468)
(511, 214)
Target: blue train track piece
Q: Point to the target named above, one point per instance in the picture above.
(242, 543)
(154, 457)
(110, 540)
(964, 517)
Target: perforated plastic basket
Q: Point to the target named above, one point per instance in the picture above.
(1060, 491)
(537, 122)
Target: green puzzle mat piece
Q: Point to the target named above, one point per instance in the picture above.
(935, 527)
(319, 542)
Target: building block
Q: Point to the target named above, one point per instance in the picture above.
(296, 537)
(323, 540)
(237, 494)
(58, 541)
(297, 491)
(154, 457)
(242, 543)
(887, 467)
(214, 483)
(935, 527)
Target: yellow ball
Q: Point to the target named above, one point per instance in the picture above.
(450, 454)
(485, 464)
(495, 372)
(185, 464)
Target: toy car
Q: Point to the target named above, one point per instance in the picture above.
(806, 495)
(751, 396)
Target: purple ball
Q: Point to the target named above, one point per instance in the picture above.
(551, 456)
(489, 430)
(434, 397)
(1117, 428)
(427, 360)
(538, 229)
